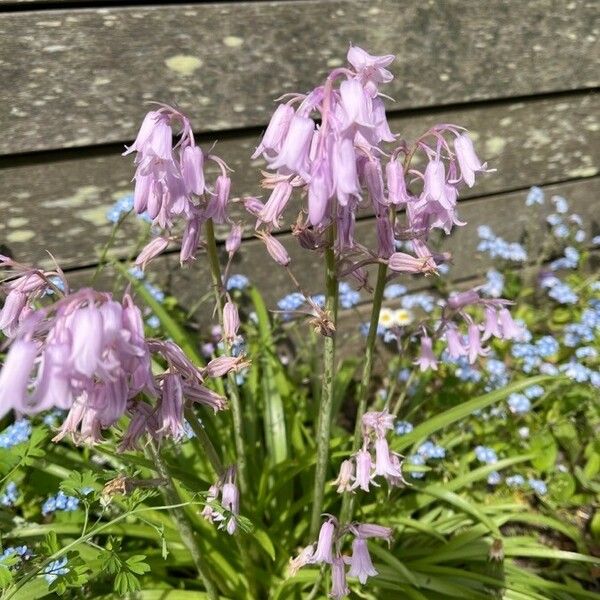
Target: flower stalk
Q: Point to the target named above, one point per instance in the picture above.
(182, 521)
(326, 405)
(363, 390)
(232, 387)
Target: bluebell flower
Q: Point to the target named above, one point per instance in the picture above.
(518, 404)
(538, 486)
(55, 569)
(535, 196)
(60, 502)
(533, 392)
(237, 282)
(403, 427)
(17, 433)
(394, 290)
(486, 455)
(515, 481)
(418, 460)
(561, 204)
(494, 285)
(494, 478)
(430, 450)
(10, 494)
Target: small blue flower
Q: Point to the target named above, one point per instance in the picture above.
(485, 232)
(535, 196)
(155, 292)
(237, 282)
(430, 450)
(538, 486)
(60, 502)
(10, 494)
(17, 433)
(394, 290)
(403, 427)
(424, 301)
(515, 481)
(55, 569)
(534, 391)
(418, 460)
(494, 478)
(518, 404)
(596, 240)
(319, 300)
(153, 321)
(348, 297)
(586, 352)
(580, 236)
(494, 285)
(137, 272)
(561, 204)
(486, 455)
(554, 220)
(547, 346)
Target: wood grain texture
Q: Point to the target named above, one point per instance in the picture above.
(61, 206)
(504, 213)
(77, 77)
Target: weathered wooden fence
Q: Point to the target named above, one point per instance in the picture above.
(75, 77)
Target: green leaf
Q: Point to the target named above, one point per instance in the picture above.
(545, 451)
(460, 503)
(265, 542)
(136, 564)
(562, 487)
(274, 414)
(438, 422)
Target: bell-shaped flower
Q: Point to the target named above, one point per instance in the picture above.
(339, 589)
(468, 161)
(275, 133)
(360, 562)
(364, 470)
(295, 147)
(14, 376)
(426, 359)
(324, 551)
(192, 169)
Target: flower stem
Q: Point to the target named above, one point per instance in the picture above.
(363, 390)
(182, 521)
(324, 422)
(204, 441)
(232, 387)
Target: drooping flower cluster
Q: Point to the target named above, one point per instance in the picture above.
(327, 551)
(338, 162)
(227, 490)
(170, 184)
(86, 353)
(361, 470)
(497, 323)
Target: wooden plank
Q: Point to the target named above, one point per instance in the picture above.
(78, 77)
(504, 213)
(61, 206)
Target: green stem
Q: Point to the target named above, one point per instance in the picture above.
(204, 440)
(181, 520)
(232, 387)
(325, 409)
(363, 390)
